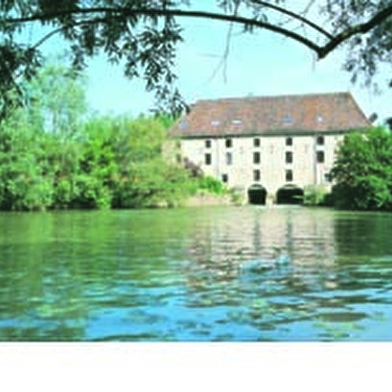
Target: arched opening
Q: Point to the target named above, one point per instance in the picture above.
(290, 194)
(257, 195)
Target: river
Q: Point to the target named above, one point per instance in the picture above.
(196, 274)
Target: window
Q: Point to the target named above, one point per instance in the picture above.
(256, 175)
(289, 157)
(289, 141)
(208, 143)
(183, 125)
(320, 140)
(229, 158)
(320, 157)
(207, 159)
(225, 178)
(327, 177)
(256, 142)
(229, 143)
(289, 175)
(256, 157)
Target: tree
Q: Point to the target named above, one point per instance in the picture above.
(145, 34)
(38, 156)
(57, 96)
(363, 171)
(124, 157)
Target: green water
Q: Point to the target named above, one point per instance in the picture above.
(200, 274)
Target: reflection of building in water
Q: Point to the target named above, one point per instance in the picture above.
(305, 239)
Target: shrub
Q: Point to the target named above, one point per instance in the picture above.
(315, 195)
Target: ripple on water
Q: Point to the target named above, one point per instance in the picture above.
(176, 275)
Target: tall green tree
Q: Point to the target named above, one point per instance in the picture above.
(363, 171)
(38, 150)
(24, 183)
(56, 97)
(145, 33)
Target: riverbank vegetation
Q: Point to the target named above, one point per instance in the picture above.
(362, 174)
(363, 171)
(54, 156)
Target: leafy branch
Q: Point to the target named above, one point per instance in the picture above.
(333, 41)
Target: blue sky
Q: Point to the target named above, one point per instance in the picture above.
(260, 64)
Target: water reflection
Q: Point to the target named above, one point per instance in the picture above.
(279, 244)
(252, 274)
(314, 284)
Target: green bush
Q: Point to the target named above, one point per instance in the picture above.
(315, 195)
(211, 185)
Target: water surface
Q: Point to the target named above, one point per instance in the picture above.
(196, 274)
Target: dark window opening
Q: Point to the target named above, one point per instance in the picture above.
(289, 175)
(207, 159)
(256, 175)
(289, 157)
(225, 178)
(229, 143)
(256, 157)
(256, 142)
(290, 195)
(320, 140)
(289, 141)
(208, 143)
(257, 195)
(229, 158)
(320, 157)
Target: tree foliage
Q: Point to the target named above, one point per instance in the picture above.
(144, 34)
(50, 157)
(363, 171)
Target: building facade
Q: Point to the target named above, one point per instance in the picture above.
(268, 143)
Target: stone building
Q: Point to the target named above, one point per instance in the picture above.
(264, 145)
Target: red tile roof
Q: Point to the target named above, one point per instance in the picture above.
(291, 114)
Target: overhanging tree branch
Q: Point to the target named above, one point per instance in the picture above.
(294, 16)
(322, 51)
(361, 28)
(149, 47)
(126, 12)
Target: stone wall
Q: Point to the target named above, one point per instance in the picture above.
(233, 162)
